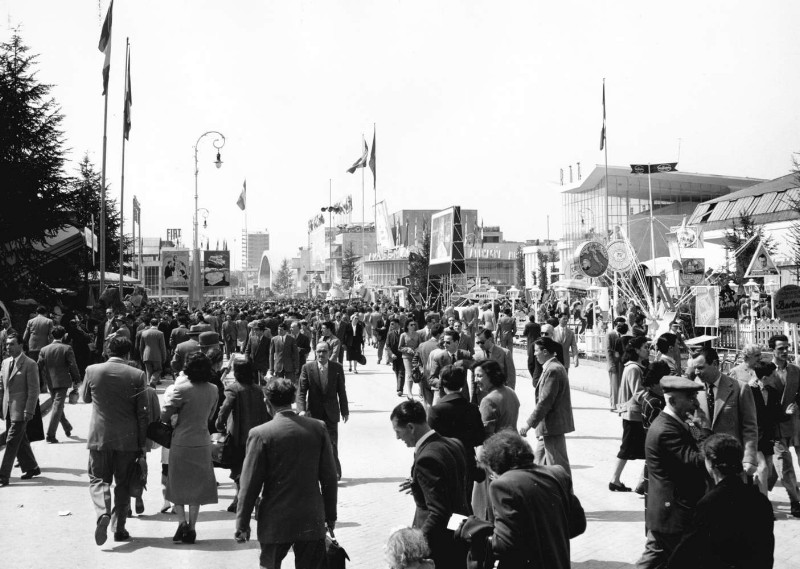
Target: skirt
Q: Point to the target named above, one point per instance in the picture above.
(633, 436)
(191, 477)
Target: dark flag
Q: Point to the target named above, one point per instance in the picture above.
(126, 121)
(654, 168)
(603, 131)
(372, 161)
(242, 201)
(361, 162)
(105, 46)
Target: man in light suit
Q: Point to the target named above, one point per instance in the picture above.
(786, 380)
(117, 435)
(284, 359)
(289, 462)
(329, 336)
(564, 335)
(57, 363)
(19, 392)
(506, 330)
(323, 396)
(38, 333)
(552, 416)
(153, 348)
(184, 349)
(438, 483)
(733, 411)
(103, 330)
(422, 359)
(486, 349)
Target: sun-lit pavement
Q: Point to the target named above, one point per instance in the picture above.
(35, 534)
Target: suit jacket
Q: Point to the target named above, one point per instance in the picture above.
(258, 352)
(229, 331)
(38, 332)
(507, 328)
(57, 363)
(455, 417)
(553, 412)
(353, 339)
(289, 461)
(566, 337)
(326, 404)
(153, 348)
(243, 409)
(734, 414)
(182, 352)
(790, 394)
(677, 475)
(380, 327)
(103, 330)
(536, 513)
(335, 346)
(439, 488)
(303, 347)
(19, 390)
(283, 355)
(506, 360)
(119, 406)
(178, 336)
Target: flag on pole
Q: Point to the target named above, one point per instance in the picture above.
(126, 121)
(105, 46)
(242, 201)
(406, 240)
(603, 131)
(481, 233)
(361, 162)
(372, 161)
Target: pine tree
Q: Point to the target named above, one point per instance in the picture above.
(794, 229)
(282, 284)
(520, 268)
(350, 271)
(418, 263)
(32, 157)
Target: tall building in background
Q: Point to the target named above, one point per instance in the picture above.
(255, 243)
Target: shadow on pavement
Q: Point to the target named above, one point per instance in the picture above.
(205, 516)
(165, 542)
(347, 482)
(616, 516)
(592, 437)
(365, 411)
(43, 480)
(61, 470)
(597, 564)
(347, 525)
(590, 408)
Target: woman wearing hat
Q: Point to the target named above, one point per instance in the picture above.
(635, 360)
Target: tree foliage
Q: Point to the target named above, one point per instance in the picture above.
(520, 268)
(741, 230)
(794, 229)
(32, 156)
(282, 284)
(350, 272)
(418, 262)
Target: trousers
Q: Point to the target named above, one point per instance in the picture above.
(17, 446)
(551, 450)
(657, 549)
(57, 415)
(105, 465)
(307, 554)
(333, 433)
(785, 468)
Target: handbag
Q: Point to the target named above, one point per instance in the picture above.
(362, 360)
(334, 553)
(73, 396)
(416, 374)
(221, 450)
(138, 479)
(160, 433)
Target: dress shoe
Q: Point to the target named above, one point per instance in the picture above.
(31, 473)
(795, 509)
(68, 432)
(232, 507)
(52, 440)
(165, 508)
(189, 536)
(618, 487)
(183, 527)
(101, 531)
(122, 535)
(3, 482)
(139, 506)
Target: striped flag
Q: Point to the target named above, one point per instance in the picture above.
(105, 46)
(242, 201)
(361, 162)
(126, 120)
(372, 161)
(603, 131)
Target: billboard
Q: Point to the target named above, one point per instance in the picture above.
(447, 242)
(707, 306)
(217, 269)
(385, 237)
(175, 268)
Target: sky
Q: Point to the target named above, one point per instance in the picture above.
(477, 104)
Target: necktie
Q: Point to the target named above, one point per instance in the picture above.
(323, 377)
(710, 401)
(11, 369)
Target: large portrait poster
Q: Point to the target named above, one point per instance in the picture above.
(217, 269)
(175, 268)
(442, 237)
(707, 306)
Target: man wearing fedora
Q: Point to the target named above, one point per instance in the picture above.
(208, 340)
(257, 349)
(183, 349)
(153, 348)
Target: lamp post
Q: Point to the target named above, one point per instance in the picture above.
(492, 293)
(513, 295)
(751, 289)
(331, 209)
(196, 298)
(771, 288)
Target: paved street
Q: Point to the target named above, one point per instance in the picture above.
(49, 521)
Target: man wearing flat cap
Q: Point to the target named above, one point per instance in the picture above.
(676, 470)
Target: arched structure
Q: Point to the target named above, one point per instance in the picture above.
(266, 271)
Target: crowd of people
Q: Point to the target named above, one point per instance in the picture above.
(456, 378)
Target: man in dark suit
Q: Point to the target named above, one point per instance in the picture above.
(19, 392)
(283, 355)
(289, 462)
(184, 349)
(676, 472)
(380, 329)
(488, 350)
(454, 416)
(57, 363)
(438, 482)
(117, 435)
(786, 380)
(302, 341)
(328, 335)
(229, 333)
(103, 330)
(258, 348)
(153, 348)
(552, 416)
(422, 360)
(531, 332)
(323, 396)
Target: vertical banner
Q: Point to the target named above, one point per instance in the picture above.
(175, 268)
(384, 234)
(707, 306)
(217, 269)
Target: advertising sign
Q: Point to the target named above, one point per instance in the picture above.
(384, 233)
(762, 264)
(707, 306)
(175, 268)
(217, 269)
(592, 259)
(447, 242)
(692, 271)
(787, 303)
(620, 256)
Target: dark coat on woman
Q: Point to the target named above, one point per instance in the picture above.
(353, 341)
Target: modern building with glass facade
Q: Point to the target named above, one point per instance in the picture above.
(604, 207)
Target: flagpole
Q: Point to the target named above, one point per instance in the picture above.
(652, 237)
(615, 294)
(122, 178)
(107, 49)
(374, 187)
(330, 230)
(364, 167)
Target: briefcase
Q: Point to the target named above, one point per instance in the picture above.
(335, 554)
(160, 433)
